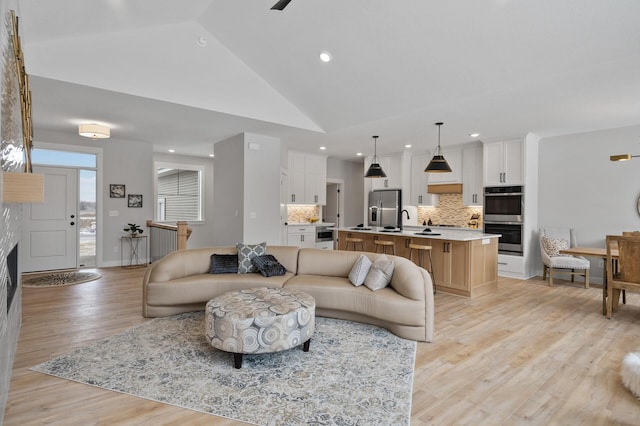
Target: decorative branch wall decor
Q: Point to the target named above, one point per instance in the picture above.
(25, 94)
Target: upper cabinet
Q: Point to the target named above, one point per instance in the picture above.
(392, 167)
(307, 178)
(503, 163)
(472, 176)
(454, 158)
(419, 181)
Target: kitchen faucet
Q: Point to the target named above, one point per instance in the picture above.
(403, 211)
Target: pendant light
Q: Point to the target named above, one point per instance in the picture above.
(438, 164)
(375, 170)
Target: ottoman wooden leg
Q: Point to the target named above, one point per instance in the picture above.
(237, 360)
(305, 346)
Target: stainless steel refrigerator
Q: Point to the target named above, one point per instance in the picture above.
(385, 207)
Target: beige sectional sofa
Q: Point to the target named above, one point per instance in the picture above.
(180, 282)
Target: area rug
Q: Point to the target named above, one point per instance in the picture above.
(354, 374)
(58, 279)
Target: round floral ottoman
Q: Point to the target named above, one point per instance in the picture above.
(260, 320)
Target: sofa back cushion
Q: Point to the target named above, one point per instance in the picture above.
(184, 263)
(406, 279)
(332, 263)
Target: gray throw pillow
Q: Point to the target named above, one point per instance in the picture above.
(360, 270)
(224, 264)
(379, 275)
(246, 252)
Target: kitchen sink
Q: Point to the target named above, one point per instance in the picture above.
(426, 233)
(391, 230)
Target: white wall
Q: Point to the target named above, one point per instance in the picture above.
(123, 162)
(580, 188)
(351, 172)
(228, 191)
(261, 189)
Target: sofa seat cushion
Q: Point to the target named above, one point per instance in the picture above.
(338, 293)
(203, 287)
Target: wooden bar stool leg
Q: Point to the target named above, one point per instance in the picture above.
(433, 279)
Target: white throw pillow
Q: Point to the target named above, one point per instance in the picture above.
(360, 270)
(379, 275)
(552, 246)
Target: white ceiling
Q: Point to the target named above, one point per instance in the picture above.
(498, 67)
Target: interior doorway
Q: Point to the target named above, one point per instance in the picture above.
(333, 211)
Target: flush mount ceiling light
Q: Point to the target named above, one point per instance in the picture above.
(325, 56)
(94, 131)
(474, 135)
(622, 157)
(438, 164)
(375, 170)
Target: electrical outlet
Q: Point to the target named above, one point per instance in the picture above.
(601, 263)
(116, 249)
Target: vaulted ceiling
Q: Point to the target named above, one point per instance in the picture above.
(186, 74)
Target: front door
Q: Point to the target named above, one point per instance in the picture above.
(50, 236)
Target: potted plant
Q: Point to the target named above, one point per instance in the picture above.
(133, 229)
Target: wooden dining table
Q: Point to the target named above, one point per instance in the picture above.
(599, 253)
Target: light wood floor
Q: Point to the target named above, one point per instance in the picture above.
(525, 354)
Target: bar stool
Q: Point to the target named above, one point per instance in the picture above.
(420, 249)
(353, 242)
(383, 244)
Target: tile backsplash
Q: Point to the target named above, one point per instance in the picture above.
(302, 213)
(449, 211)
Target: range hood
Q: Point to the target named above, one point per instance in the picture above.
(445, 188)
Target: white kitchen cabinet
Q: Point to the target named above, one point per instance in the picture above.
(472, 194)
(419, 181)
(503, 163)
(392, 167)
(301, 236)
(307, 179)
(454, 158)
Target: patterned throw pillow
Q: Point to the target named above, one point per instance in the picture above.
(246, 252)
(552, 246)
(224, 264)
(360, 270)
(379, 275)
(268, 265)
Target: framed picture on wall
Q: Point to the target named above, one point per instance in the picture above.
(116, 191)
(135, 200)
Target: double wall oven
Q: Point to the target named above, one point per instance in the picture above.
(504, 214)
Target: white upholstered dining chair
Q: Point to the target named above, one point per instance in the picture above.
(552, 240)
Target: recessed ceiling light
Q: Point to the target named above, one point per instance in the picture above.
(474, 135)
(408, 145)
(202, 41)
(358, 154)
(325, 56)
(323, 148)
(212, 155)
(172, 150)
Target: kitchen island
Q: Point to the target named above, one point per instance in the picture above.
(465, 261)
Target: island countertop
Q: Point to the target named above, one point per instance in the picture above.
(446, 233)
